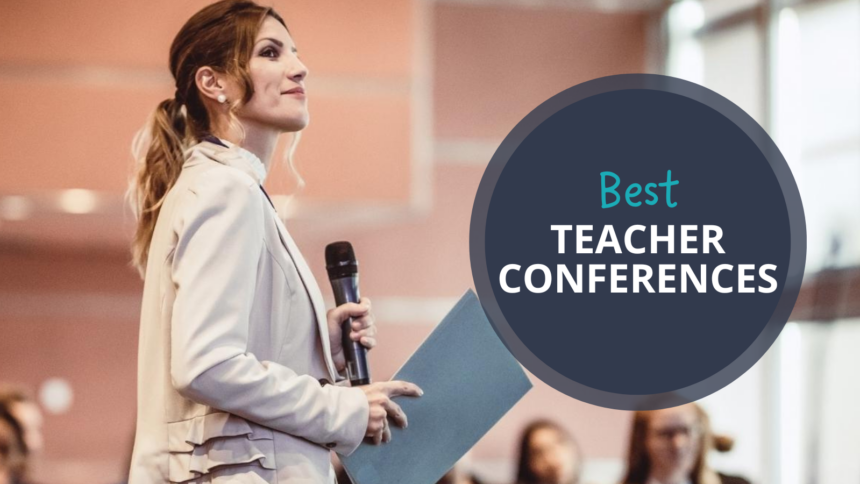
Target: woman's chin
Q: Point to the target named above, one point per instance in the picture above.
(293, 124)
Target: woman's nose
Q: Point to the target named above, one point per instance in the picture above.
(298, 71)
(555, 459)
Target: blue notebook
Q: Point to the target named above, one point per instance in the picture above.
(470, 380)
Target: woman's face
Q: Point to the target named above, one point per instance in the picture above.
(673, 440)
(554, 459)
(276, 69)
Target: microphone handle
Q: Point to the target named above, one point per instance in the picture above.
(346, 290)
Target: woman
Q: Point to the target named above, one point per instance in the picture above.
(236, 351)
(548, 455)
(670, 446)
(13, 453)
(23, 408)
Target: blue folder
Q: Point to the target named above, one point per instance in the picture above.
(470, 380)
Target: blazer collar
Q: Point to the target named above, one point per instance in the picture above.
(229, 154)
(214, 149)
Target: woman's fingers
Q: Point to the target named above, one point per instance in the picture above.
(386, 432)
(383, 435)
(382, 407)
(402, 388)
(376, 423)
(366, 341)
(350, 310)
(364, 331)
(395, 413)
(377, 415)
(365, 301)
(363, 323)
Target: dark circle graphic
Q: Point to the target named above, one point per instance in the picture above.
(638, 155)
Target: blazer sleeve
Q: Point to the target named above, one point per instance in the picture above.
(219, 244)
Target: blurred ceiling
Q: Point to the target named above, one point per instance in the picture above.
(599, 5)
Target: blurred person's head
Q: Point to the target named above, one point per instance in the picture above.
(341, 477)
(24, 409)
(548, 455)
(460, 473)
(671, 446)
(233, 63)
(13, 457)
(457, 475)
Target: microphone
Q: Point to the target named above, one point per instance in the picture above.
(343, 273)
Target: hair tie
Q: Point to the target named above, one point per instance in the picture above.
(178, 97)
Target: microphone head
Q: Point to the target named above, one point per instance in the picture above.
(340, 260)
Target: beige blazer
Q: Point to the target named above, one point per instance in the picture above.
(233, 341)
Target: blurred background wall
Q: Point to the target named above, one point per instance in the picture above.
(408, 101)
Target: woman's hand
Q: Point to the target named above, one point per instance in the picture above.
(363, 328)
(379, 397)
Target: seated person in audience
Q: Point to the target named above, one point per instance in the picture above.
(13, 459)
(17, 401)
(670, 446)
(548, 455)
(459, 475)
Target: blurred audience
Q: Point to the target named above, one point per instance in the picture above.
(13, 458)
(24, 409)
(548, 455)
(670, 446)
(459, 475)
(20, 433)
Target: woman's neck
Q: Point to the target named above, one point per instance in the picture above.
(259, 141)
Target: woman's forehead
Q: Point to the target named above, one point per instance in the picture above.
(673, 416)
(546, 435)
(273, 29)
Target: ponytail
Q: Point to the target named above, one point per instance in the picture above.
(164, 138)
(218, 36)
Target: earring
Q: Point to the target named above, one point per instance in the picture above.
(222, 98)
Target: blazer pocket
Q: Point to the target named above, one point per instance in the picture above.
(198, 445)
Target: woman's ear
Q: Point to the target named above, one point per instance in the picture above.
(211, 84)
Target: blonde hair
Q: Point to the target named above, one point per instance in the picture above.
(639, 463)
(220, 36)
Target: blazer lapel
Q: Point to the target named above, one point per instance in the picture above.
(313, 291)
(213, 149)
